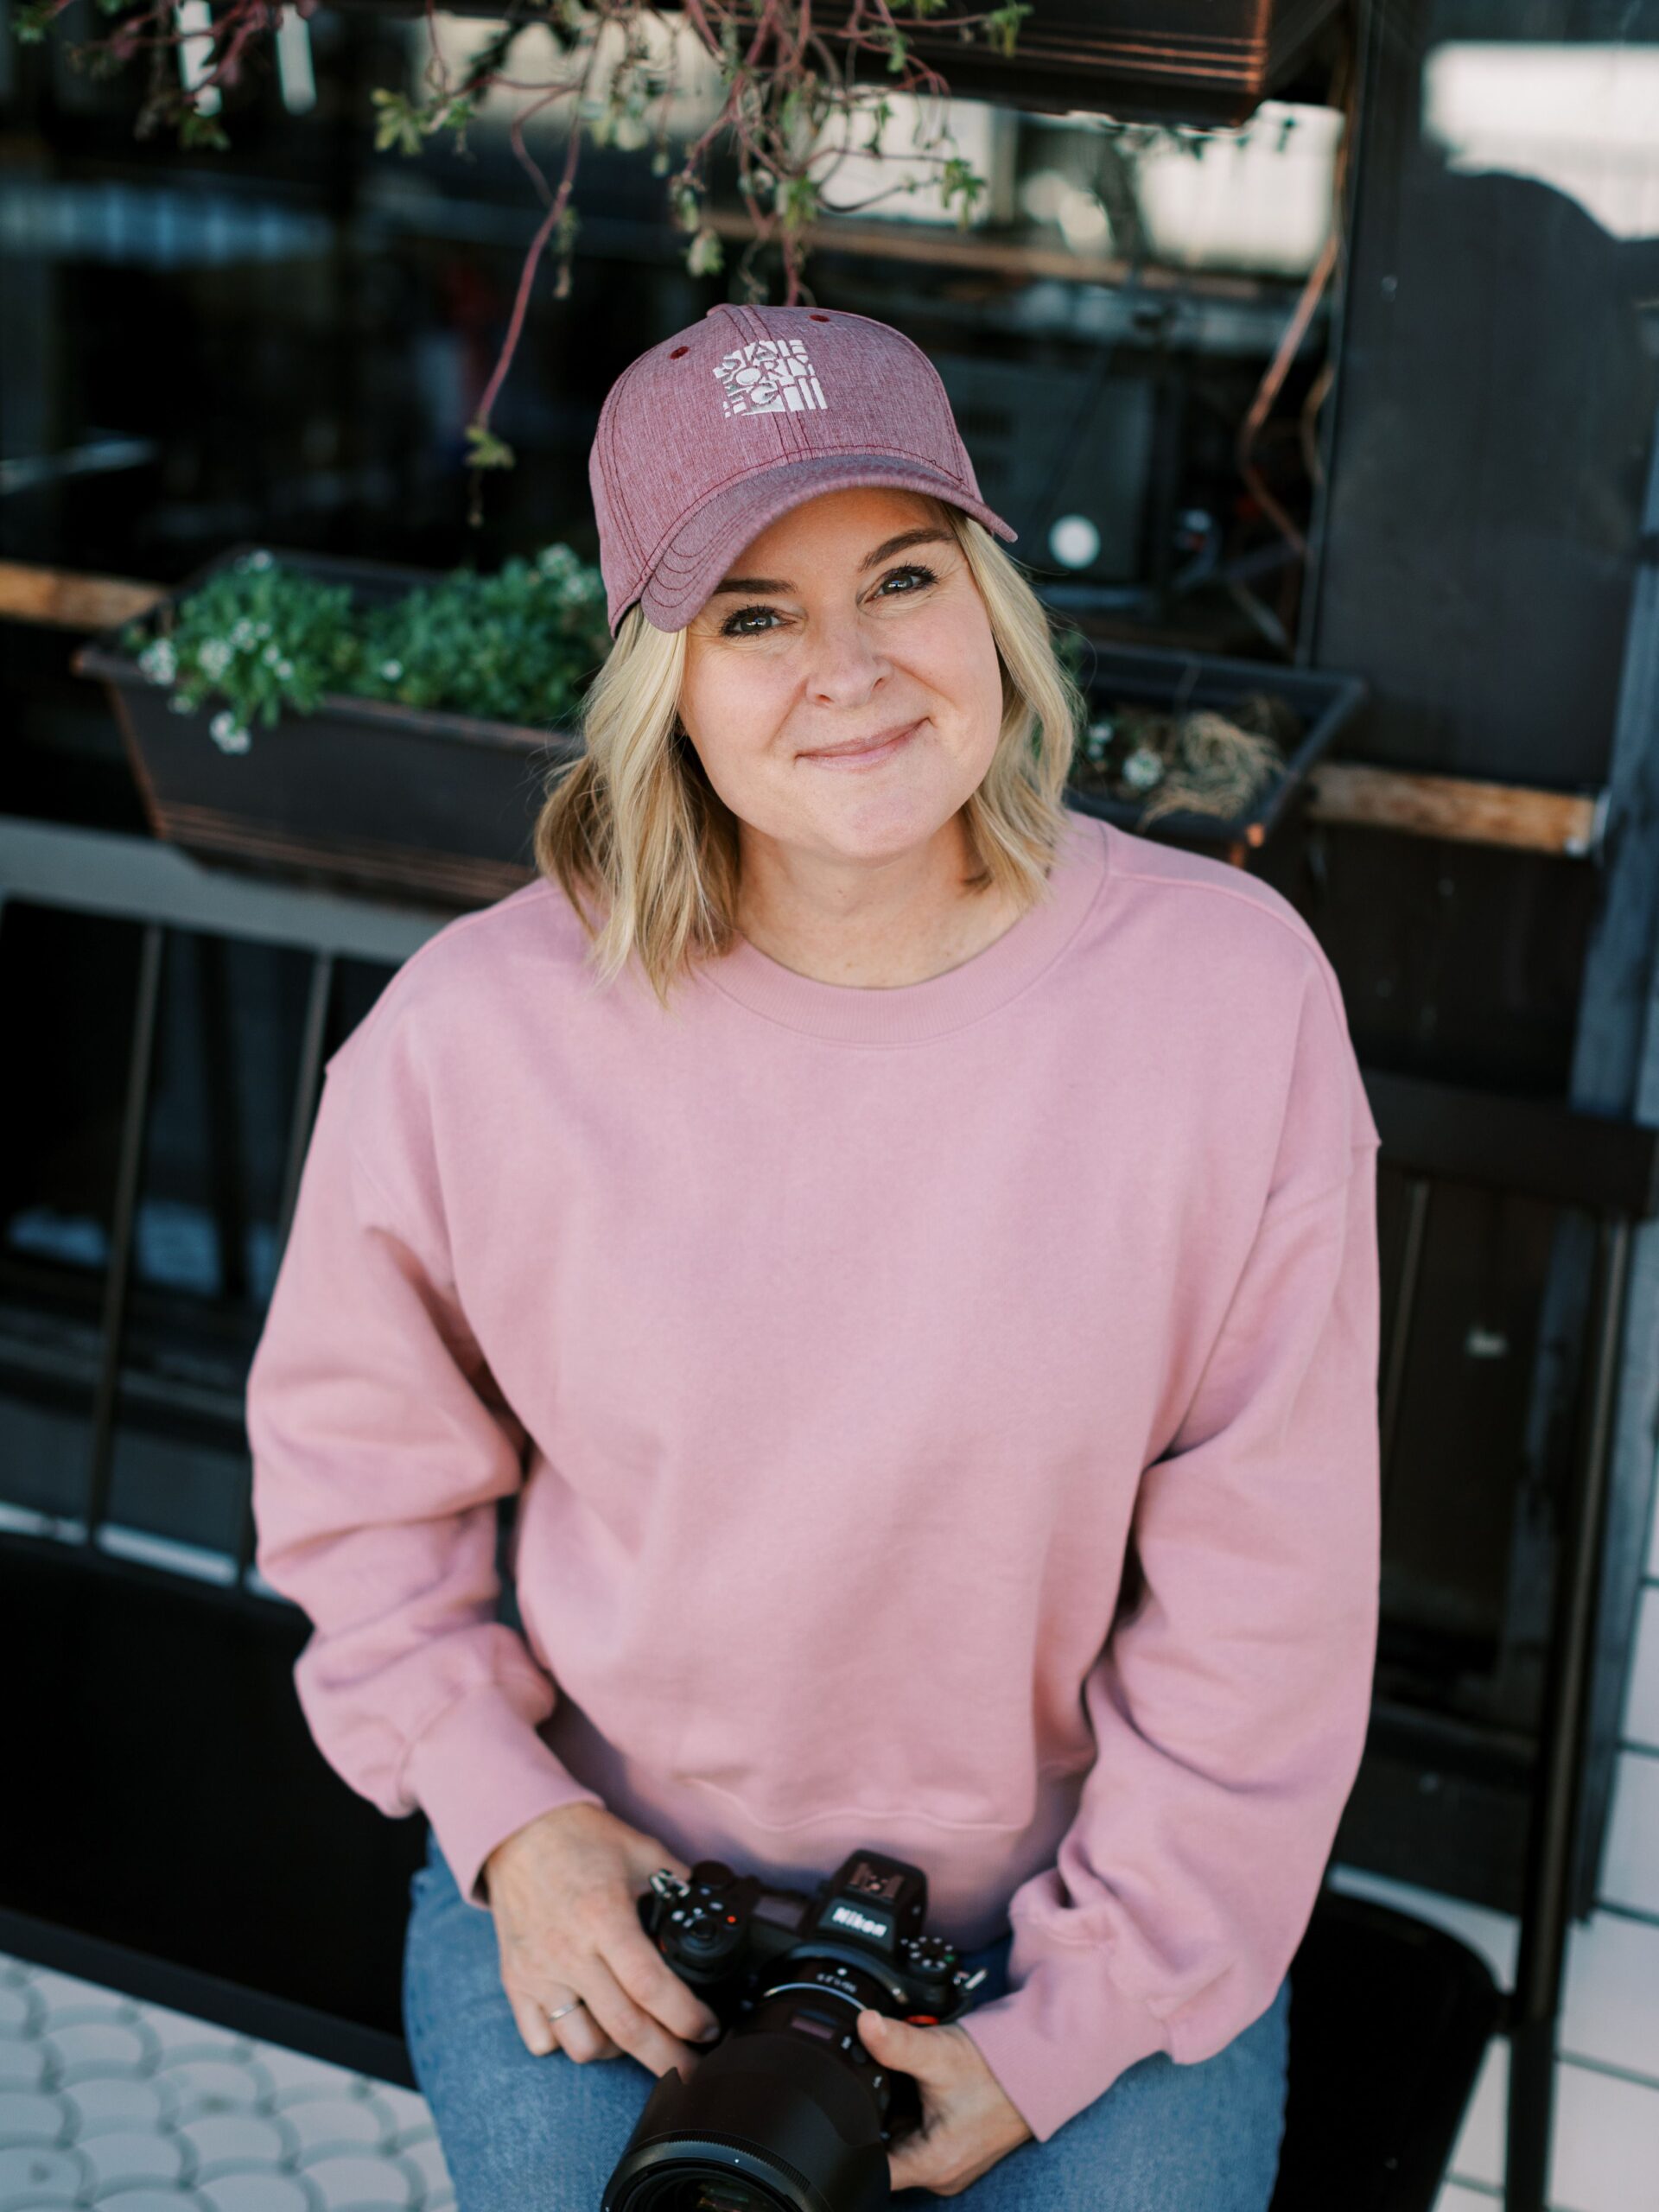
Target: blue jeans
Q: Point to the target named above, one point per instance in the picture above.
(526, 2134)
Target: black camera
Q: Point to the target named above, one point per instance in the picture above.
(787, 2112)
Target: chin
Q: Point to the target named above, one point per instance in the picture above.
(874, 831)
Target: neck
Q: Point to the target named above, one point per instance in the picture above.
(878, 926)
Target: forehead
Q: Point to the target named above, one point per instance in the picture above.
(851, 519)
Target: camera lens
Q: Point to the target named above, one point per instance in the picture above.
(707, 2193)
(777, 2118)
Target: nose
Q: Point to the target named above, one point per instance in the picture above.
(846, 661)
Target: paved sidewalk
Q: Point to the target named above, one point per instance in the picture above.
(125, 2106)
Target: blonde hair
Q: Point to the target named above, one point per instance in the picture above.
(634, 821)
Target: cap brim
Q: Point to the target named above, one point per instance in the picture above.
(702, 550)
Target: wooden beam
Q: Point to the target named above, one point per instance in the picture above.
(1457, 807)
(1020, 258)
(60, 597)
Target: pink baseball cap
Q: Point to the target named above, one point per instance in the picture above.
(714, 433)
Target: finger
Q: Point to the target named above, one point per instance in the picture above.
(533, 2024)
(532, 2011)
(921, 2051)
(645, 1975)
(629, 2024)
(582, 2037)
(602, 2047)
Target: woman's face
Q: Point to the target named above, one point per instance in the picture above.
(851, 618)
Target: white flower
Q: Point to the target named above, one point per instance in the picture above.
(262, 629)
(159, 661)
(391, 670)
(228, 733)
(271, 655)
(181, 705)
(1142, 769)
(214, 658)
(242, 633)
(284, 668)
(260, 560)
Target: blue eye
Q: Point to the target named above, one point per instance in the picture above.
(729, 628)
(923, 574)
(911, 568)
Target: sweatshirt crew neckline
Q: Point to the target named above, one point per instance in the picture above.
(906, 1013)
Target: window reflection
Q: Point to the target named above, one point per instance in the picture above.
(1584, 119)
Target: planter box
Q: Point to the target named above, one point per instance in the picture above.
(1162, 677)
(1208, 63)
(439, 807)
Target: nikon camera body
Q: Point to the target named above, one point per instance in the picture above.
(787, 2112)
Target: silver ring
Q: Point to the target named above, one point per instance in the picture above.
(563, 2009)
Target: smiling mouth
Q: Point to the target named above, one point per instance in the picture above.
(867, 750)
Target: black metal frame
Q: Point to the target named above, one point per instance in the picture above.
(1610, 1167)
(164, 891)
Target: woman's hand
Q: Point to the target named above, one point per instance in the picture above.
(563, 1891)
(968, 2122)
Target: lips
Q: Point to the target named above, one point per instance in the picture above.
(881, 746)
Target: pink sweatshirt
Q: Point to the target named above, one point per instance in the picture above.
(841, 1340)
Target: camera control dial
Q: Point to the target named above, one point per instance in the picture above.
(929, 1954)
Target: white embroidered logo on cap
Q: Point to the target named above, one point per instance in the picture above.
(772, 377)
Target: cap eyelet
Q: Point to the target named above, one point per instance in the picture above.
(677, 351)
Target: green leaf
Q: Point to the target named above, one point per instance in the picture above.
(1002, 24)
(488, 451)
(961, 181)
(30, 23)
(198, 129)
(519, 647)
(397, 125)
(797, 201)
(454, 117)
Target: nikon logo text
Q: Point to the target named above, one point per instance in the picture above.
(844, 1917)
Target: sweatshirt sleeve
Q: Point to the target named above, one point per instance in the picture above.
(380, 1445)
(1230, 1705)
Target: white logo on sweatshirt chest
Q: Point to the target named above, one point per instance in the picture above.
(774, 376)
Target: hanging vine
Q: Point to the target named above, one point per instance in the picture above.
(791, 104)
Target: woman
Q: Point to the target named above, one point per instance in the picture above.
(913, 1248)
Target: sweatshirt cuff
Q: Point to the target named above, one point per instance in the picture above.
(480, 1773)
(1061, 2038)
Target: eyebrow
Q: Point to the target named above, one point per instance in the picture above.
(923, 534)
